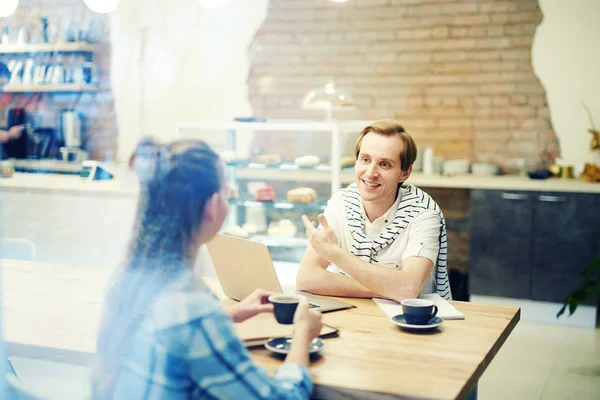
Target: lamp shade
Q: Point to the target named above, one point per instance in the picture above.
(327, 97)
(101, 6)
(8, 7)
(213, 3)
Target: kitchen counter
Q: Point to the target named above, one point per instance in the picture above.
(504, 182)
(125, 183)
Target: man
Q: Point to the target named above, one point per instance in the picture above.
(13, 132)
(384, 240)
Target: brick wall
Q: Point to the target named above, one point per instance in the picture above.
(97, 107)
(457, 73)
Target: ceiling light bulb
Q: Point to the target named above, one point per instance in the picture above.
(101, 6)
(213, 3)
(339, 1)
(8, 7)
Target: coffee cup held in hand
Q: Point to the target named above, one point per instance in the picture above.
(284, 307)
(418, 311)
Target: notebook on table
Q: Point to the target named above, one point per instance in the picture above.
(260, 328)
(445, 309)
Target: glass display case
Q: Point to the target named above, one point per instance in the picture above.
(272, 191)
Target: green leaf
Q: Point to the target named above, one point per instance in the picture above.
(572, 308)
(589, 287)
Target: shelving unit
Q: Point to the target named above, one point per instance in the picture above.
(53, 48)
(278, 204)
(336, 129)
(70, 47)
(50, 88)
(288, 172)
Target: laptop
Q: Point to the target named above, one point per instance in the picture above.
(243, 266)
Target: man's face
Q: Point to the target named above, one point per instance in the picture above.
(377, 170)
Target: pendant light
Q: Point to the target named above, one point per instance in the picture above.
(101, 6)
(213, 3)
(8, 7)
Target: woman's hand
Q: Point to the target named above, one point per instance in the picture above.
(257, 302)
(307, 320)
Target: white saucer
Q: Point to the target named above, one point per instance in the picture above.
(432, 324)
(281, 345)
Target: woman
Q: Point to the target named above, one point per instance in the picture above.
(164, 335)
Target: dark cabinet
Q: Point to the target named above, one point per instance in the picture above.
(501, 227)
(566, 237)
(532, 245)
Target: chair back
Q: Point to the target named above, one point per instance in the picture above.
(19, 391)
(17, 249)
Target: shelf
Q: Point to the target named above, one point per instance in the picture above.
(73, 47)
(281, 205)
(57, 88)
(278, 125)
(290, 172)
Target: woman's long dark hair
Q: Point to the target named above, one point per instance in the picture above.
(177, 180)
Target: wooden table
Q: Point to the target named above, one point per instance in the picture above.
(55, 309)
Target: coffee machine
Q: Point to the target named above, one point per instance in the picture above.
(69, 134)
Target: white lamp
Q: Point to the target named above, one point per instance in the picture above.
(101, 6)
(327, 98)
(8, 7)
(339, 1)
(213, 3)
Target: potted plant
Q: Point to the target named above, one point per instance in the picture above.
(589, 288)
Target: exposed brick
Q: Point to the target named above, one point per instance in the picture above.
(459, 78)
(459, 8)
(498, 6)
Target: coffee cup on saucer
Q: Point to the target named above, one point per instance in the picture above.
(284, 307)
(418, 311)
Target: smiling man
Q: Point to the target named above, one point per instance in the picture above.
(381, 239)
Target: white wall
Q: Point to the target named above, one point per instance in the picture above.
(566, 58)
(175, 61)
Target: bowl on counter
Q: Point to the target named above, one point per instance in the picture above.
(541, 174)
(456, 167)
(484, 169)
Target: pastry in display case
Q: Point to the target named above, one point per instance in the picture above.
(302, 195)
(235, 230)
(228, 157)
(307, 161)
(267, 159)
(282, 229)
(250, 228)
(265, 193)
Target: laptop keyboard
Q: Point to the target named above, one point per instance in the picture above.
(313, 305)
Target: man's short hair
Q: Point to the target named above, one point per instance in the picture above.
(390, 127)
